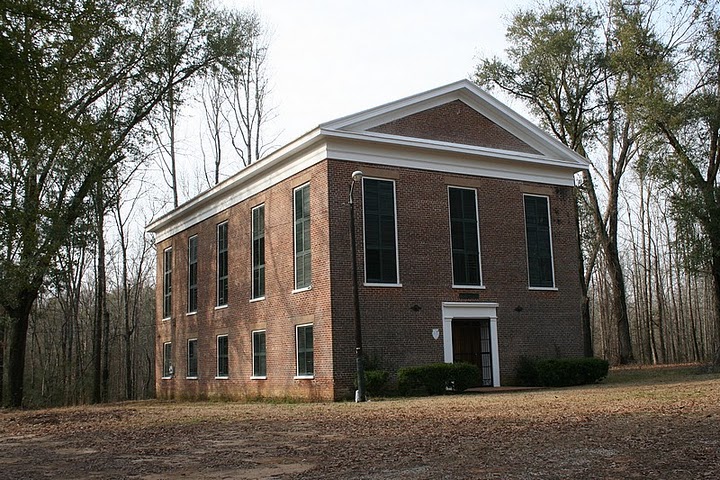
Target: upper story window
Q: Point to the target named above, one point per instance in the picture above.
(464, 237)
(258, 251)
(303, 259)
(381, 258)
(222, 264)
(167, 283)
(539, 241)
(192, 274)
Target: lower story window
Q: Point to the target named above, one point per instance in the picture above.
(305, 364)
(259, 354)
(222, 356)
(167, 360)
(192, 358)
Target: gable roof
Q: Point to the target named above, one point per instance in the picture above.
(457, 128)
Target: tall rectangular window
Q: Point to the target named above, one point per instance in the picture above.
(167, 283)
(302, 237)
(167, 360)
(381, 260)
(464, 236)
(304, 344)
(222, 264)
(259, 354)
(258, 251)
(192, 358)
(539, 242)
(223, 366)
(192, 274)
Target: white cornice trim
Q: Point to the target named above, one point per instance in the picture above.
(281, 165)
(476, 163)
(473, 96)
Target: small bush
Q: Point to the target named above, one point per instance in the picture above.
(561, 372)
(437, 378)
(376, 382)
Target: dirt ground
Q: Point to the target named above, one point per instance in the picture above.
(664, 425)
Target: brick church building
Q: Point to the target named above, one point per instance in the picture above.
(467, 250)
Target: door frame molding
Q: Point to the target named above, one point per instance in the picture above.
(471, 310)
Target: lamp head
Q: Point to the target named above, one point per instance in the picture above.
(357, 176)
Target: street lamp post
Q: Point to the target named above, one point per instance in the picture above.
(360, 393)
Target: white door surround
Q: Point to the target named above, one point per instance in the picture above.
(471, 310)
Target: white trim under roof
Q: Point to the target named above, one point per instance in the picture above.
(347, 139)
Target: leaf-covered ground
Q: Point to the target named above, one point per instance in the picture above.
(641, 423)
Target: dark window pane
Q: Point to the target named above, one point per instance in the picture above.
(167, 359)
(380, 241)
(192, 366)
(539, 245)
(464, 237)
(222, 356)
(303, 255)
(192, 274)
(258, 233)
(222, 264)
(167, 283)
(259, 355)
(305, 366)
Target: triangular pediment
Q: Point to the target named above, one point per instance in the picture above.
(459, 116)
(455, 122)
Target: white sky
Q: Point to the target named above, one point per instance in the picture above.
(329, 59)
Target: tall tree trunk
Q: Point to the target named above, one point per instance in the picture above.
(19, 320)
(716, 288)
(100, 302)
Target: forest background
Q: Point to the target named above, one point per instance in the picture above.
(92, 94)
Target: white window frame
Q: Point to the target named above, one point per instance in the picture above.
(166, 271)
(217, 357)
(197, 279)
(297, 289)
(480, 285)
(169, 373)
(552, 247)
(253, 298)
(258, 377)
(397, 283)
(197, 360)
(297, 352)
(219, 305)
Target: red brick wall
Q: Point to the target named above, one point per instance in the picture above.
(278, 313)
(534, 323)
(457, 123)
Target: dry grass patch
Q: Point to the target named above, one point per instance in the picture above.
(643, 422)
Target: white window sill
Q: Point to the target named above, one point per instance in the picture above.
(166, 378)
(389, 285)
(222, 378)
(221, 307)
(300, 290)
(167, 319)
(304, 377)
(191, 378)
(543, 289)
(258, 378)
(190, 314)
(469, 287)
(258, 299)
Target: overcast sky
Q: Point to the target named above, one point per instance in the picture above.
(330, 58)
